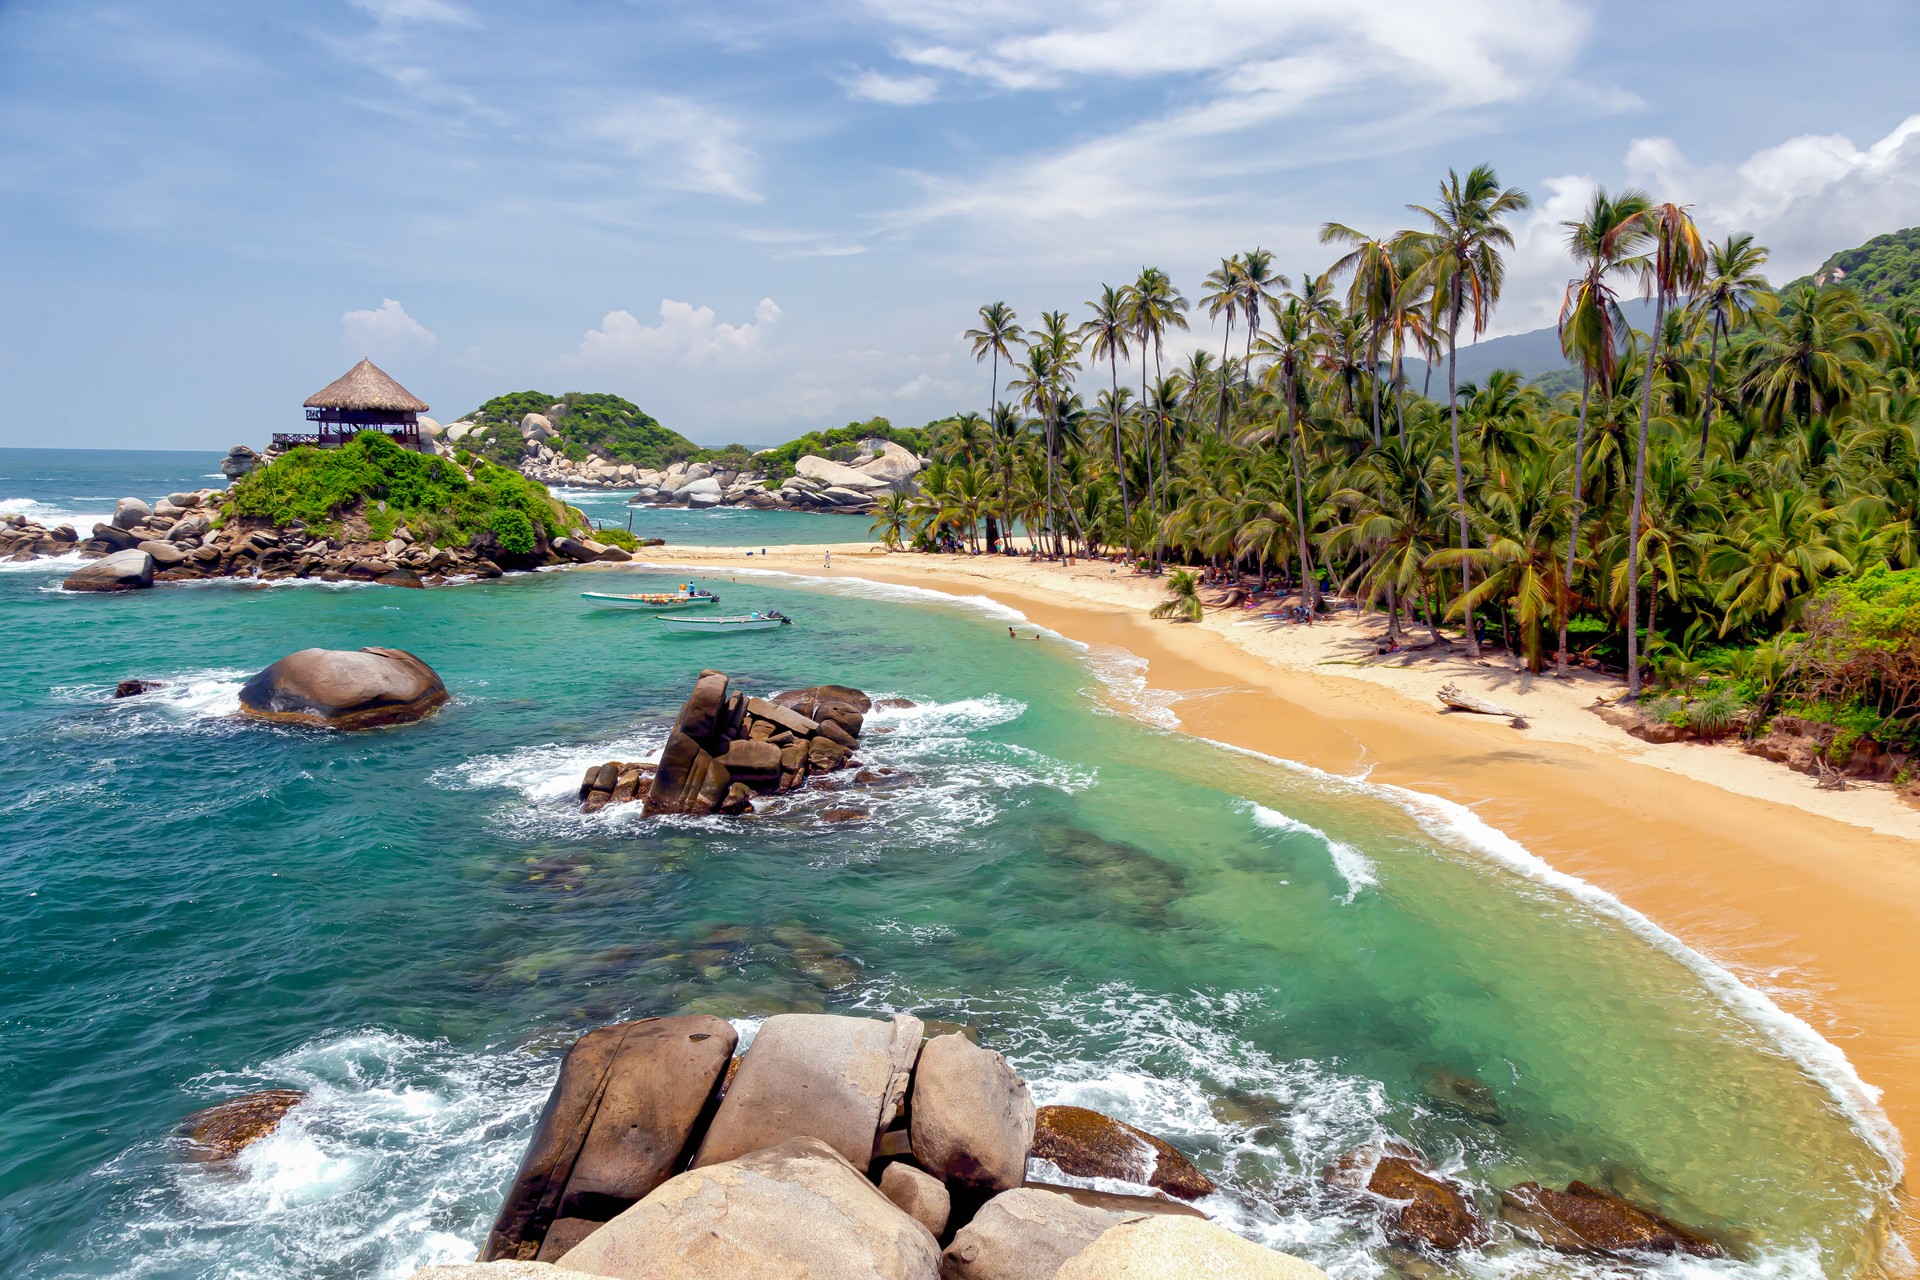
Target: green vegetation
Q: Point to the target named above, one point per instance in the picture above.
(838, 445)
(615, 537)
(596, 425)
(384, 485)
(1885, 270)
(1691, 499)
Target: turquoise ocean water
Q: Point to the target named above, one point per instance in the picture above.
(1262, 963)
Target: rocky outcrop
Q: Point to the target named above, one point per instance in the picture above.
(620, 1121)
(240, 461)
(796, 1208)
(1419, 1208)
(222, 1131)
(344, 689)
(24, 539)
(840, 1080)
(812, 1165)
(726, 747)
(129, 570)
(1586, 1219)
(1087, 1144)
(973, 1119)
(879, 467)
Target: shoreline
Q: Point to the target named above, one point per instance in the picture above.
(1810, 896)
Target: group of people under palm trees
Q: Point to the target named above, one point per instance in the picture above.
(1702, 479)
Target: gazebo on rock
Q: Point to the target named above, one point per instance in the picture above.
(364, 398)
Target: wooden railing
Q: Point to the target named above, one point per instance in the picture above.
(284, 440)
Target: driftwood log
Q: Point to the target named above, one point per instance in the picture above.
(1457, 699)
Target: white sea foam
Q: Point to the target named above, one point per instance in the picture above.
(1460, 827)
(62, 565)
(394, 1161)
(549, 771)
(54, 514)
(1354, 866)
(1124, 675)
(202, 700)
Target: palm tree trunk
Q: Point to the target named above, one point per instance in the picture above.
(1706, 417)
(1399, 391)
(1220, 428)
(1373, 362)
(1459, 474)
(1393, 615)
(1573, 534)
(1309, 593)
(1639, 501)
(1119, 466)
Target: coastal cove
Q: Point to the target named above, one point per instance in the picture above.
(1262, 963)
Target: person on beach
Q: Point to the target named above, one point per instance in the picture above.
(826, 561)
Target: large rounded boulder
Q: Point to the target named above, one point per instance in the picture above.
(344, 689)
(128, 570)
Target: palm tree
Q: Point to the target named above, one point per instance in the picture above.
(1288, 346)
(1811, 357)
(1222, 297)
(1106, 335)
(1258, 283)
(1155, 306)
(997, 335)
(1603, 242)
(1183, 598)
(1735, 290)
(1375, 278)
(1462, 265)
(891, 519)
(1675, 267)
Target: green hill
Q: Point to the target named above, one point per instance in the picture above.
(1886, 270)
(590, 425)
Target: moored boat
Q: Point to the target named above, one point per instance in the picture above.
(747, 622)
(687, 597)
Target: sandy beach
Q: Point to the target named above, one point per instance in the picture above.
(1812, 896)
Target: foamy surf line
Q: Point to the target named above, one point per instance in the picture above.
(1458, 826)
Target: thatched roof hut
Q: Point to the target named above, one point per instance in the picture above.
(364, 398)
(366, 387)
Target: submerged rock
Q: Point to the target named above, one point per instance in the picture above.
(1463, 1095)
(134, 688)
(222, 1131)
(1424, 1210)
(1586, 1219)
(1086, 1144)
(344, 689)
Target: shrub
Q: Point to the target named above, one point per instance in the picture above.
(1667, 710)
(513, 532)
(617, 538)
(1716, 713)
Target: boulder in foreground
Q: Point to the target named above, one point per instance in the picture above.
(344, 689)
(1159, 1247)
(221, 1131)
(128, 570)
(620, 1121)
(796, 1209)
(972, 1116)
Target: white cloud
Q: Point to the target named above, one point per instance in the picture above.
(685, 333)
(901, 91)
(423, 11)
(1252, 88)
(687, 145)
(1804, 199)
(387, 329)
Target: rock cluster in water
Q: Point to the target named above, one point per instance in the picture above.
(834, 1145)
(175, 540)
(726, 748)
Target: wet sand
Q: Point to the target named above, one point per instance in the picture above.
(1811, 896)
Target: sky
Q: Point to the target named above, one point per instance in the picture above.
(758, 219)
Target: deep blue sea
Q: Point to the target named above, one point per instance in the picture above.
(1260, 962)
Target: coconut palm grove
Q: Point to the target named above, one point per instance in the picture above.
(1722, 507)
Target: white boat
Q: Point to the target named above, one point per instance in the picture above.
(687, 597)
(720, 626)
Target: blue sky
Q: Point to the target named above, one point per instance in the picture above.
(756, 219)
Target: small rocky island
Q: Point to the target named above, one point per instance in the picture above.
(726, 748)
